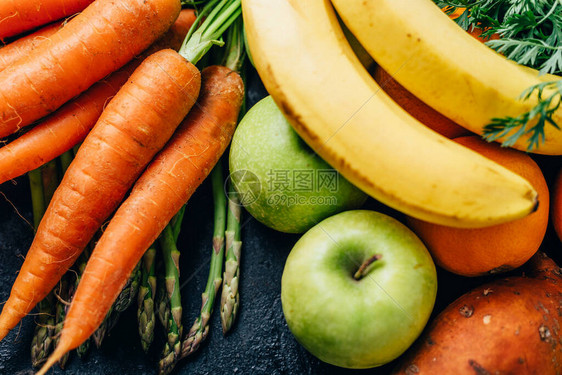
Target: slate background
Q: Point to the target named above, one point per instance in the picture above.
(260, 342)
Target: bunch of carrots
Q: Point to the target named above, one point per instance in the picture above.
(117, 83)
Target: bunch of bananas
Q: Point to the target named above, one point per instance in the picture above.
(307, 65)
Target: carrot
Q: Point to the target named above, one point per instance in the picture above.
(100, 40)
(160, 192)
(17, 16)
(133, 127)
(70, 124)
(64, 129)
(22, 46)
(181, 27)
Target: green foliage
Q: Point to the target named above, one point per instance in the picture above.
(530, 30)
(515, 127)
(530, 34)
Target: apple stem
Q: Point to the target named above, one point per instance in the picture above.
(361, 272)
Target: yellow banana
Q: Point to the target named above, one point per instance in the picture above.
(432, 57)
(310, 70)
(363, 56)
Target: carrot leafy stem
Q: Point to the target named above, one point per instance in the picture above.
(514, 127)
(530, 30)
(235, 47)
(192, 3)
(218, 15)
(530, 34)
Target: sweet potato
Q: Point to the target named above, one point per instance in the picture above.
(509, 326)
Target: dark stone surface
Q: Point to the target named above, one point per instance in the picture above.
(260, 342)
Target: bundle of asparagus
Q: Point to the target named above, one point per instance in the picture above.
(234, 58)
(157, 289)
(52, 310)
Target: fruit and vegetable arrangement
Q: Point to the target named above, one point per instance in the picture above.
(444, 116)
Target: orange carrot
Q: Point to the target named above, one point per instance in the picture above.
(100, 40)
(160, 192)
(61, 131)
(181, 27)
(70, 124)
(133, 127)
(24, 45)
(17, 16)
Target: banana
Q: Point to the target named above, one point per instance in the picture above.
(306, 64)
(432, 57)
(363, 56)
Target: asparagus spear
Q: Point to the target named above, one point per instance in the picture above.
(230, 296)
(200, 329)
(99, 335)
(43, 183)
(42, 342)
(61, 308)
(213, 20)
(162, 300)
(66, 159)
(176, 223)
(50, 180)
(83, 350)
(171, 255)
(147, 291)
(122, 303)
(164, 306)
(37, 197)
(80, 266)
(129, 292)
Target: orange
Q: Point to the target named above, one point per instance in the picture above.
(456, 14)
(418, 109)
(476, 31)
(557, 205)
(474, 252)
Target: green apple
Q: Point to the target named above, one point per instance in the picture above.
(280, 180)
(358, 319)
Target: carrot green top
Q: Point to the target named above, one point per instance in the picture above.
(218, 15)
